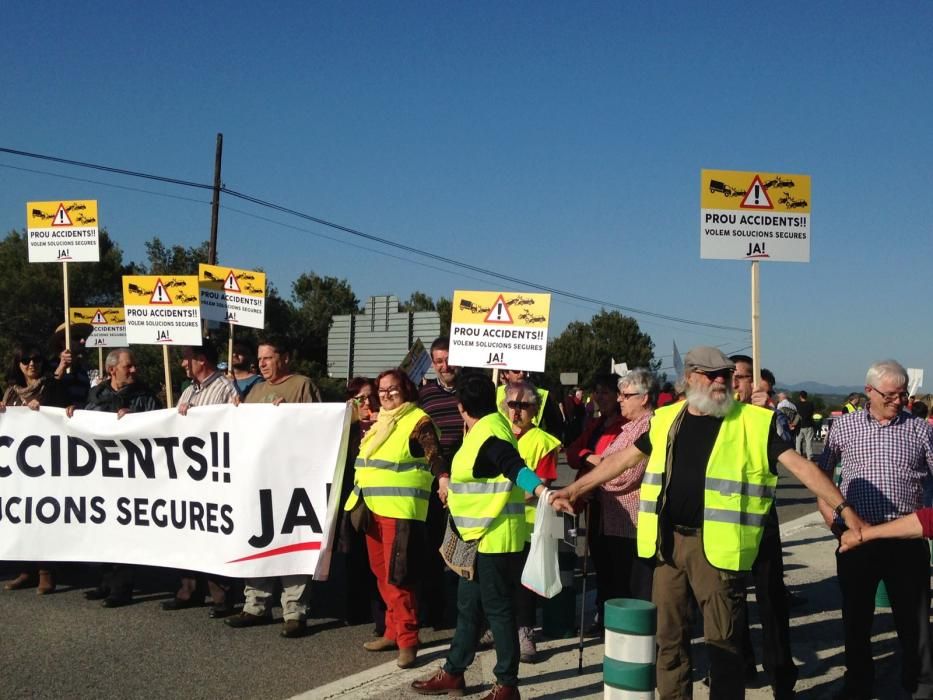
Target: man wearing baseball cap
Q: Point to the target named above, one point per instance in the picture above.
(710, 481)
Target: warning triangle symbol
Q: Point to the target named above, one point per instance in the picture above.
(61, 217)
(99, 318)
(499, 313)
(160, 294)
(757, 197)
(230, 284)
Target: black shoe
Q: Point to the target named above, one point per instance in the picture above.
(245, 619)
(180, 603)
(96, 594)
(115, 602)
(293, 629)
(221, 610)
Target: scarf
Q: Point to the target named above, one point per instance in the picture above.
(22, 395)
(382, 428)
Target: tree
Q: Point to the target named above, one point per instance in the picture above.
(33, 293)
(419, 301)
(588, 348)
(176, 260)
(315, 301)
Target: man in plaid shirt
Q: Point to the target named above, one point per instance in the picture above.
(885, 454)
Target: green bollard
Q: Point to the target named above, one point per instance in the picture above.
(630, 651)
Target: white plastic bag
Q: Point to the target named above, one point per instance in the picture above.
(542, 571)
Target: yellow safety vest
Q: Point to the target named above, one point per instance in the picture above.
(489, 510)
(739, 488)
(394, 483)
(849, 408)
(542, 398)
(533, 446)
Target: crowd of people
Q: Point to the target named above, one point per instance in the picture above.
(678, 485)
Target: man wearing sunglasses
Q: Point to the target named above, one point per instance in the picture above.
(708, 486)
(886, 454)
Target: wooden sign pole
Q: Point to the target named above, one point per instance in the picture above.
(168, 378)
(230, 352)
(67, 314)
(756, 327)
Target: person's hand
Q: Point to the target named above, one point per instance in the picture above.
(850, 540)
(183, 409)
(828, 514)
(852, 520)
(64, 362)
(354, 410)
(278, 400)
(33, 405)
(122, 412)
(2, 407)
(70, 410)
(443, 486)
(236, 400)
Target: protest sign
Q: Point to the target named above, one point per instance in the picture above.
(238, 491)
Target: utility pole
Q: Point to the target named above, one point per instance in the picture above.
(215, 205)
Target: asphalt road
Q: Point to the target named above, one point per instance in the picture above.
(63, 646)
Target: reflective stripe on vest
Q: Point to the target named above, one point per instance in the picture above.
(738, 490)
(490, 510)
(393, 482)
(534, 446)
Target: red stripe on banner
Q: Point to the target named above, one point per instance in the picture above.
(287, 549)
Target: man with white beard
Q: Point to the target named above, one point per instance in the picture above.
(710, 480)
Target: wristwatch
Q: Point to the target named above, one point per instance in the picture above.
(841, 507)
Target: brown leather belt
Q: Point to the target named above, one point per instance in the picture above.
(687, 531)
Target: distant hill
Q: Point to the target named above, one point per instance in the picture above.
(823, 389)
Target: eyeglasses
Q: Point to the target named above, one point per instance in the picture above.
(35, 359)
(391, 391)
(892, 396)
(725, 374)
(360, 398)
(741, 376)
(625, 395)
(520, 405)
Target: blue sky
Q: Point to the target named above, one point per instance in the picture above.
(553, 141)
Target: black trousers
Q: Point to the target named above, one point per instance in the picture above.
(904, 566)
(773, 611)
(623, 574)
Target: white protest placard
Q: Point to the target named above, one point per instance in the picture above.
(108, 326)
(233, 296)
(236, 491)
(63, 231)
(754, 216)
(505, 330)
(162, 309)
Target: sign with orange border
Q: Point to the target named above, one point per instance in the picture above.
(759, 215)
(505, 330)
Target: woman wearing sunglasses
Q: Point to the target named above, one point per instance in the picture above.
(29, 385)
(539, 451)
(398, 461)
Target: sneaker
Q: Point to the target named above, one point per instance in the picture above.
(526, 645)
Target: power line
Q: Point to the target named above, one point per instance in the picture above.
(376, 239)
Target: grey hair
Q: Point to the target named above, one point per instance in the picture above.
(891, 369)
(644, 382)
(526, 388)
(113, 357)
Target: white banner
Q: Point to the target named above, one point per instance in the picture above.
(239, 491)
